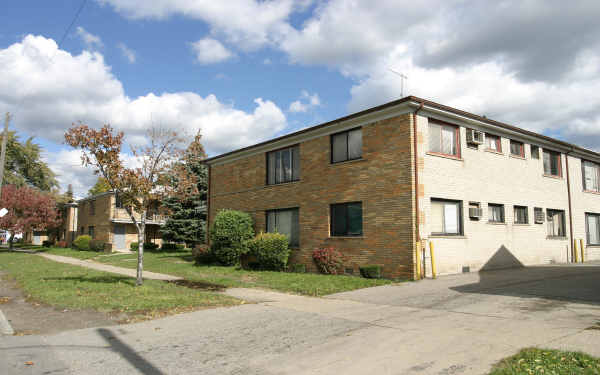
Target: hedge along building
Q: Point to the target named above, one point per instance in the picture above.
(103, 217)
(376, 183)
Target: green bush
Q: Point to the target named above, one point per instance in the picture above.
(148, 246)
(370, 271)
(97, 245)
(47, 243)
(271, 250)
(203, 255)
(169, 246)
(299, 268)
(82, 242)
(229, 236)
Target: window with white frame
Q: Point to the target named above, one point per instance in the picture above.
(446, 217)
(493, 143)
(556, 223)
(590, 176)
(443, 139)
(592, 226)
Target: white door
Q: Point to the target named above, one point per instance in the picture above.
(119, 237)
(37, 239)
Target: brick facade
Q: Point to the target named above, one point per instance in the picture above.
(382, 180)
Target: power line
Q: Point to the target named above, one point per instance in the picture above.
(72, 22)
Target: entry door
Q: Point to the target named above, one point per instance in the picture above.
(119, 240)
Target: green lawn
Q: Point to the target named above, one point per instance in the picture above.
(182, 264)
(68, 286)
(541, 361)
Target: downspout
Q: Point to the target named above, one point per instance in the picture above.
(570, 210)
(207, 239)
(416, 161)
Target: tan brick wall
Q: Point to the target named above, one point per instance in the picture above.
(382, 180)
(488, 177)
(100, 220)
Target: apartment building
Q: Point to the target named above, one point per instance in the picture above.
(103, 217)
(66, 232)
(377, 183)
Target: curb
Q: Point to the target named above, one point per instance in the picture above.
(5, 327)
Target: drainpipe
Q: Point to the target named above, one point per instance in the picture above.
(207, 239)
(416, 161)
(570, 210)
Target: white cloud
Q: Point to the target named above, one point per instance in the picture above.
(91, 41)
(267, 61)
(250, 24)
(127, 52)
(66, 164)
(210, 51)
(306, 102)
(53, 89)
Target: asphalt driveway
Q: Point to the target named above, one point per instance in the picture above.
(454, 325)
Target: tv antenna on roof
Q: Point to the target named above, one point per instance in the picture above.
(402, 78)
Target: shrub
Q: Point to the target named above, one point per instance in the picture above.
(47, 243)
(82, 242)
(229, 236)
(169, 246)
(371, 271)
(61, 244)
(299, 268)
(271, 251)
(148, 246)
(328, 260)
(96, 245)
(203, 255)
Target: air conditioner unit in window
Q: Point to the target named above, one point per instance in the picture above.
(539, 216)
(474, 136)
(475, 212)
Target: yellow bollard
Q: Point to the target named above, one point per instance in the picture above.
(418, 264)
(582, 249)
(433, 273)
(575, 252)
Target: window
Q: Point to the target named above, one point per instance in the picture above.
(517, 148)
(538, 214)
(346, 219)
(443, 139)
(592, 225)
(346, 145)
(535, 152)
(118, 201)
(521, 215)
(556, 223)
(493, 143)
(590, 176)
(552, 165)
(283, 165)
(82, 230)
(495, 213)
(446, 217)
(92, 208)
(91, 231)
(285, 222)
(474, 210)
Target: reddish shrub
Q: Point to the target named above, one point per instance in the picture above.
(328, 260)
(61, 244)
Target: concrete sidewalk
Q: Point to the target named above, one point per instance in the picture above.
(108, 268)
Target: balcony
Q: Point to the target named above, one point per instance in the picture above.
(120, 215)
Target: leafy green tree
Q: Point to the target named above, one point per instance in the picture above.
(101, 186)
(24, 165)
(187, 221)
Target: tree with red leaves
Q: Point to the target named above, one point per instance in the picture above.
(162, 172)
(29, 209)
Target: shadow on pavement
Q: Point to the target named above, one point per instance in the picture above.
(570, 282)
(128, 353)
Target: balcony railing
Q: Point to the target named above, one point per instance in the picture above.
(121, 215)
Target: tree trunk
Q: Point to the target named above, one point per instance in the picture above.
(141, 240)
(10, 240)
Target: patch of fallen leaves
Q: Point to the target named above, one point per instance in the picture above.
(4, 300)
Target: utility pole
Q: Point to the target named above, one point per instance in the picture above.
(3, 154)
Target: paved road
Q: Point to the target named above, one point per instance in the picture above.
(453, 325)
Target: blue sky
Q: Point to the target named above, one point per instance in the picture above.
(243, 71)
